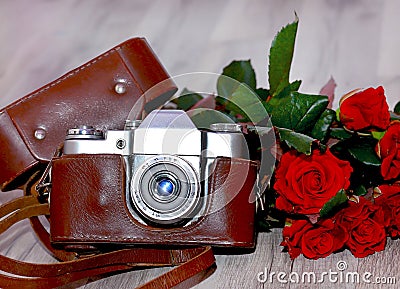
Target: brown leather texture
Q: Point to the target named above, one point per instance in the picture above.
(84, 96)
(14, 154)
(194, 263)
(88, 206)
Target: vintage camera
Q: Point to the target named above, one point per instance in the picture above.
(159, 181)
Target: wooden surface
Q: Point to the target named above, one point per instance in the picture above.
(354, 41)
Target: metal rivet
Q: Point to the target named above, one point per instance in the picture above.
(121, 143)
(120, 87)
(40, 133)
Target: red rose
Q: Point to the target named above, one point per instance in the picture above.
(364, 223)
(313, 241)
(305, 183)
(365, 109)
(388, 149)
(389, 201)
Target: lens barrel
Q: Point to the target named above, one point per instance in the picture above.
(165, 190)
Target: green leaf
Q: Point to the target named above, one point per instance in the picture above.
(204, 117)
(300, 142)
(360, 191)
(321, 127)
(187, 99)
(262, 93)
(394, 116)
(263, 225)
(378, 134)
(363, 150)
(296, 111)
(241, 71)
(294, 86)
(397, 108)
(339, 199)
(338, 114)
(340, 133)
(246, 103)
(280, 57)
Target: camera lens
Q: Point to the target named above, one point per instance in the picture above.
(165, 187)
(165, 190)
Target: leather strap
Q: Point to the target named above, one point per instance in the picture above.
(193, 262)
(37, 226)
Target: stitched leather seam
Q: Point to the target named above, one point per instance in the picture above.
(128, 238)
(22, 132)
(12, 178)
(120, 200)
(66, 76)
(221, 162)
(172, 257)
(24, 135)
(130, 73)
(70, 74)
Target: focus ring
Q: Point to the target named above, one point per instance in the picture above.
(171, 208)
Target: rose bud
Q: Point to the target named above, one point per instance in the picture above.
(388, 149)
(365, 110)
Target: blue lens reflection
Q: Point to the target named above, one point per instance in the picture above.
(165, 187)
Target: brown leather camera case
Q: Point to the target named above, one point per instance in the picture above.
(88, 206)
(99, 93)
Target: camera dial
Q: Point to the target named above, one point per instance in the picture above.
(84, 132)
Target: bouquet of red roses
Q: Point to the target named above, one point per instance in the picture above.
(336, 183)
(351, 191)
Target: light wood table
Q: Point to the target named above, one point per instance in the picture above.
(356, 42)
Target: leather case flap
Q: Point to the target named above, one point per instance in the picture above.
(84, 96)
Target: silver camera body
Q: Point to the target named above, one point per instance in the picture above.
(168, 162)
